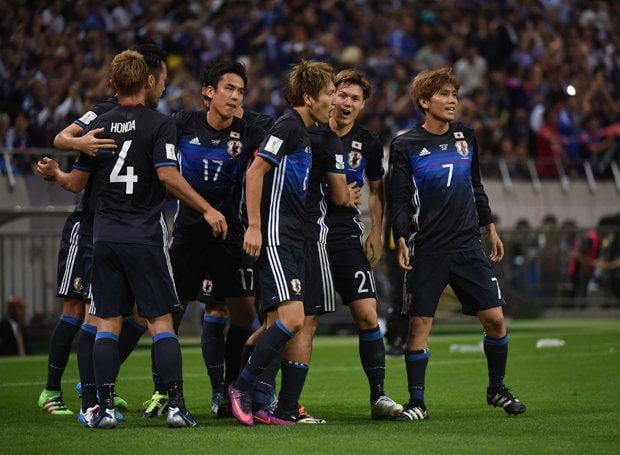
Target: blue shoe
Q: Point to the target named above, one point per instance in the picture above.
(78, 389)
(105, 418)
(85, 417)
(179, 417)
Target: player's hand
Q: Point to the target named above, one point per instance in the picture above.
(90, 143)
(47, 168)
(218, 224)
(497, 247)
(402, 254)
(354, 195)
(373, 248)
(252, 242)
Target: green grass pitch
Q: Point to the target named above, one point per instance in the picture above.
(572, 395)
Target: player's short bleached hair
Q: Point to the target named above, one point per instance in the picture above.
(353, 77)
(429, 82)
(128, 72)
(307, 77)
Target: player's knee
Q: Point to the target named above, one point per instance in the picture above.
(73, 308)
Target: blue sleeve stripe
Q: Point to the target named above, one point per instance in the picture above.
(166, 163)
(269, 157)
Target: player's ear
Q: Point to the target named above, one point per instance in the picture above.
(150, 81)
(308, 99)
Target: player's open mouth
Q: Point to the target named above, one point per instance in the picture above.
(345, 112)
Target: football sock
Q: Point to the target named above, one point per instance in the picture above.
(267, 348)
(60, 349)
(168, 357)
(246, 352)
(416, 363)
(175, 393)
(496, 351)
(158, 382)
(265, 386)
(85, 342)
(131, 333)
(212, 342)
(235, 340)
(107, 366)
(293, 379)
(372, 355)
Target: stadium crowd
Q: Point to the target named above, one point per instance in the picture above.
(539, 77)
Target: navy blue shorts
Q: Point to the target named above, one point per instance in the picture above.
(469, 273)
(123, 272)
(282, 275)
(70, 280)
(194, 256)
(353, 275)
(320, 297)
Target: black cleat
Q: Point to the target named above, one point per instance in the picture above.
(504, 399)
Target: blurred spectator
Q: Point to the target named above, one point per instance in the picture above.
(549, 149)
(583, 260)
(14, 328)
(607, 273)
(17, 141)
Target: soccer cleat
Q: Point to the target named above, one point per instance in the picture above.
(156, 406)
(270, 418)
(504, 399)
(241, 404)
(411, 412)
(216, 402)
(85, 417)
(225, 410)
(180, 417)
(304, 417)
(105, 418)
(51, 401)
(118, 401)
(384, 408)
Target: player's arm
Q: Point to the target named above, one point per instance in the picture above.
(178, 187)
(252, 240)
(483, 209)
(74, 181)
(375, 208)
(72, 139)
(341, 193)
(399, 200)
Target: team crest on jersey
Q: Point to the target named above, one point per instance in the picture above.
(296, 285)
(355, 159)
(78, 284)
(207, 287)
(234, 147)
(462, 149)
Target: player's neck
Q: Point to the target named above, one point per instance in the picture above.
(435, 126)
(217, 121)
(131, 100)
(340, 130)
(304, 113)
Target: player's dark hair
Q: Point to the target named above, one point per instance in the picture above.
(215, 70)
(153, 55)
(353, 77)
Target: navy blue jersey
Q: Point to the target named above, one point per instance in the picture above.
(326, 157)
(214, 162)
(256, 118)
(129, 194)
(283, 202)
(363, 160)
(98, 109)
(82, 163)
(436, 195)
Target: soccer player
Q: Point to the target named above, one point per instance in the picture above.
(352, 260)
(276, 189)
(215, 147)
(72, 285)
(438, 205)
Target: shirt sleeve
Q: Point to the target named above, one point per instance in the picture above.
(374, 168)
(485, 216)
(165, 150)
(400, 193)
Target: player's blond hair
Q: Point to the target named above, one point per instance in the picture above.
(429, 82)
(307, 77)
(128, 72)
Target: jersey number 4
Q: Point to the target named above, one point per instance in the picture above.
(128, 178)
